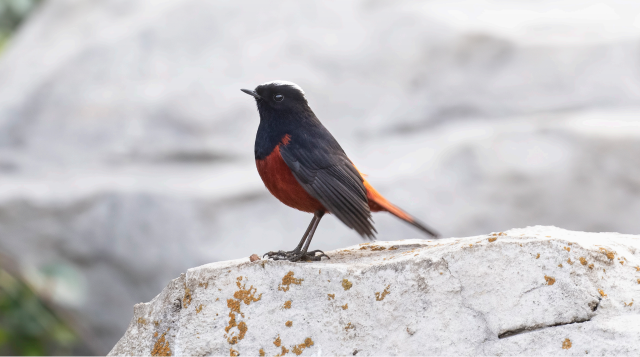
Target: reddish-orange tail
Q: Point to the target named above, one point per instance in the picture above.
(378, 203)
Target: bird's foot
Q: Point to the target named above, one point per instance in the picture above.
(294, 256)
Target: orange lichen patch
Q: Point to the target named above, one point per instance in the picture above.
(204, 285)
(569, 261)
(288, 323)
(156, 323)
(583, 261)
(345, 306)
(199, 309)
(246, 295)
(637, 268)
(346, 284)
(287, 280)
(638, 281)
(629, 304)
(566, 344)
(373, 247)
(242, 295)
(287, 305)
(161, 347)
(602, 293)
(261, 353)
(349, 326)
(621, 262)
(277, 342)
(559, 265)
(331, 296)
(385, 292)
(492, 239)
(142, 321)
(567, 249)
(232, 322)
(608, 253)
(284, 352)
(393, 247)
(242, 327)
(299, 348)
(186, 300)
(538, 256)
(550, 280)
(233, 353)
(155, 334)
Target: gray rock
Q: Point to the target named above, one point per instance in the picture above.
(126, 145)
(533, 291)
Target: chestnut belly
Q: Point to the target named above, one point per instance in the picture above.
(279, 180)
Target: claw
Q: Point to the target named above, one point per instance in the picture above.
(294, 256)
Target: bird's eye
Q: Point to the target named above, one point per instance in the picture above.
(278, 97)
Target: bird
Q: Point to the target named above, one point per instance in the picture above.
(304, 167)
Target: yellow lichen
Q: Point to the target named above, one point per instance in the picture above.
(345, 306)
(385, 292)
(287, 280)
(637, 268)
(602, 293)
(284, 352)
(560, 265)
(233, 353)
(567, 249)
(349, 326)
(590, 266)
(261, 353)
(331, 296)
(569, 261)
(393, 247)
(287, 305)
(538, 256)
(204, 285)
(161, 347)
(242, 295)
(142, 321)
(583, 261)
(608, 253)
(550, 280)
(288, 323)
(566, 344)
(299, 348)
(277, 342)
(346, 284)
(186, 300)
(199, 309)
(492, 239)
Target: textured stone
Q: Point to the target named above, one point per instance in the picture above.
(532, 291)
(126, 146)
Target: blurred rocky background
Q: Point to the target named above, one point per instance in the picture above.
(126, 146)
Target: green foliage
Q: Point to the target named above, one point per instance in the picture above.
(27, 325)
(12, 13)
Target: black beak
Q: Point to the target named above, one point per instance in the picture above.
(251, 93)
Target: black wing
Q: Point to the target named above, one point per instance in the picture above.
(326, 173)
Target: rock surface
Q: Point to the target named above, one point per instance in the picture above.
(126, 146)
(532, 291)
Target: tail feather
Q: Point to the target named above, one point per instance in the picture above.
(378, 203)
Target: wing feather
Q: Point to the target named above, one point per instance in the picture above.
(330, 177)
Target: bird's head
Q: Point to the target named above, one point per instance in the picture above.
(278, 96)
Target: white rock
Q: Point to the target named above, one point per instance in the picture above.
(532, 291)
(126, 145)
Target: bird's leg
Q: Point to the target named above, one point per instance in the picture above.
(298, 254)
(282, 253)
